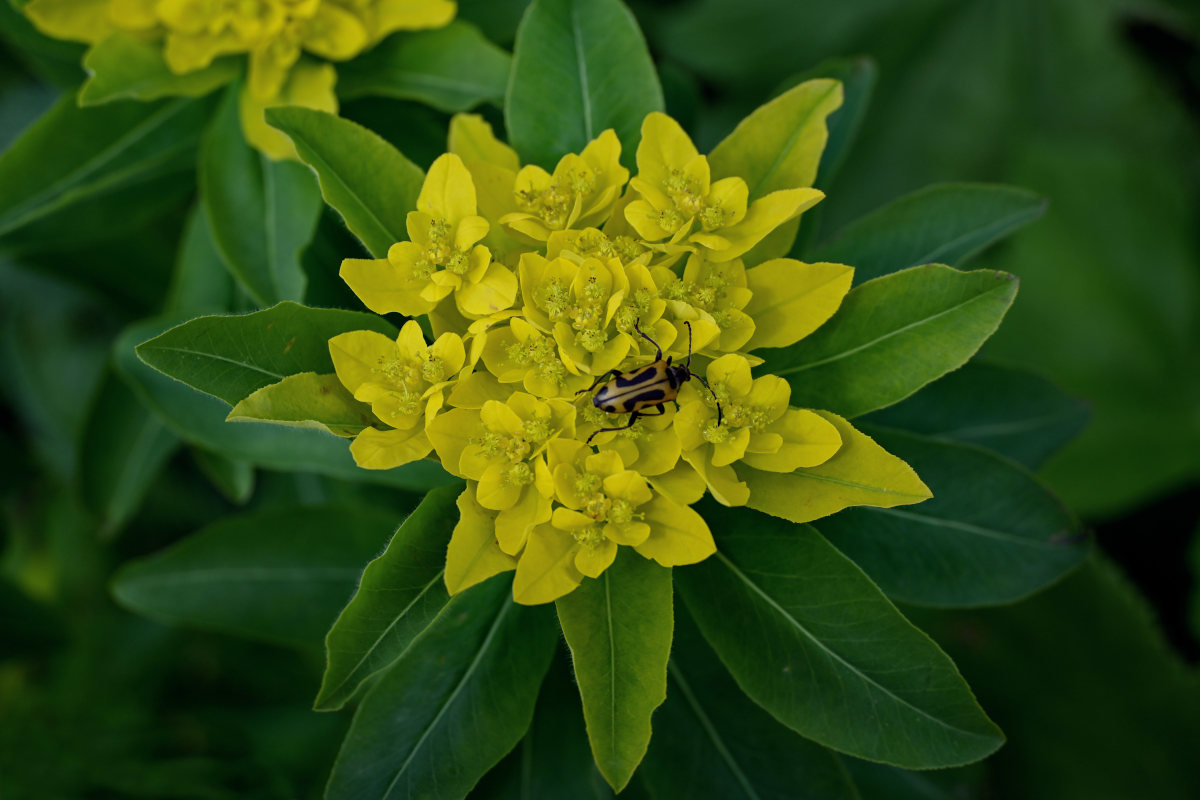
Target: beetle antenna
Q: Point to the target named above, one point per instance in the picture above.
(658, 355)
(715, 398)
(688, 365)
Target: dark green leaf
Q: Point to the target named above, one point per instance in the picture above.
(618, 627)
(127, 144)
(231, 356)
(262, 212)
(124, 66)
(279, 575)
(201, 284)
(991, 533)
(811, 639)
(711, 741)
(1015, 412)
(200, 420)
(892, 336)
(123, 450)
(452, 69)
(367, 180)
(579, 68)
(944, 223)
(232, 477)
(400, 593)
(27, 627)
(1096, 703)
(53, 60)
(467, 688)
(554, 760)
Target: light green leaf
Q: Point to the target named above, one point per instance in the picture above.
(278, 575)
(945, 223)
(262, 213)
(124, 66)
(306, 400)
(51, 166)
(363, 177)
(200, 420)
(1017, 413)
(452, 69)
(861, 473)
(122, 452)
(991, 533)
(892, 336)
(618, 627)
(400, 593)
(232, 356)
(467, 687)
(809, 638)
(579, 68)
(779, 145)
(711, 742)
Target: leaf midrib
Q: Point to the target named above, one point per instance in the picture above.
(982, 231)
(713, 735)
(893, 333)
(582, 72)
(967, 527)
(483, 648)
(390, 626)
(770, 601)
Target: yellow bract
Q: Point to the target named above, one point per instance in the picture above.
(274, 35)
(558, 281)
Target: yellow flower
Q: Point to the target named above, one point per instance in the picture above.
(555, 485)
(603, 505)
(274, 34)
(404, 381)
(679, 202)
(756, 427)
(502, 446)
(441, 258)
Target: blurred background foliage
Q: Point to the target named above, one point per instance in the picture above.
(1093, 104)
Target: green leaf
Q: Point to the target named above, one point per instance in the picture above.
(812, 640)
(232, 356)
(618, 627)
(452, 69)
(554, 759)
(400, 593)
(946, 223)
(200, 420)
(991, 533)
(779, 145)
(122, 452)
(278, 575)
(124, 66)
(232, 477)
(711, 741)
(1095, 701)
(367, 180)
(579, 68)
(53, 60)
(200, 284)
(1013, 411)
(262, 213)
(52, 167)
(306, 400)
(467, 688)
(892, 336)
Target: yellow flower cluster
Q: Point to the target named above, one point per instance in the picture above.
(274, 34)
(537, 285)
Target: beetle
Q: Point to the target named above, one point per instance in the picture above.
(648, 387)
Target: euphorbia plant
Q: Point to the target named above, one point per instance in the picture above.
(508, 284)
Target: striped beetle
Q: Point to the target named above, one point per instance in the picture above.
(648, 387)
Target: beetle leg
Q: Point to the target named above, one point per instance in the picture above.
(611, 373)
(658, 353)
(714, 394)
(633, 417)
